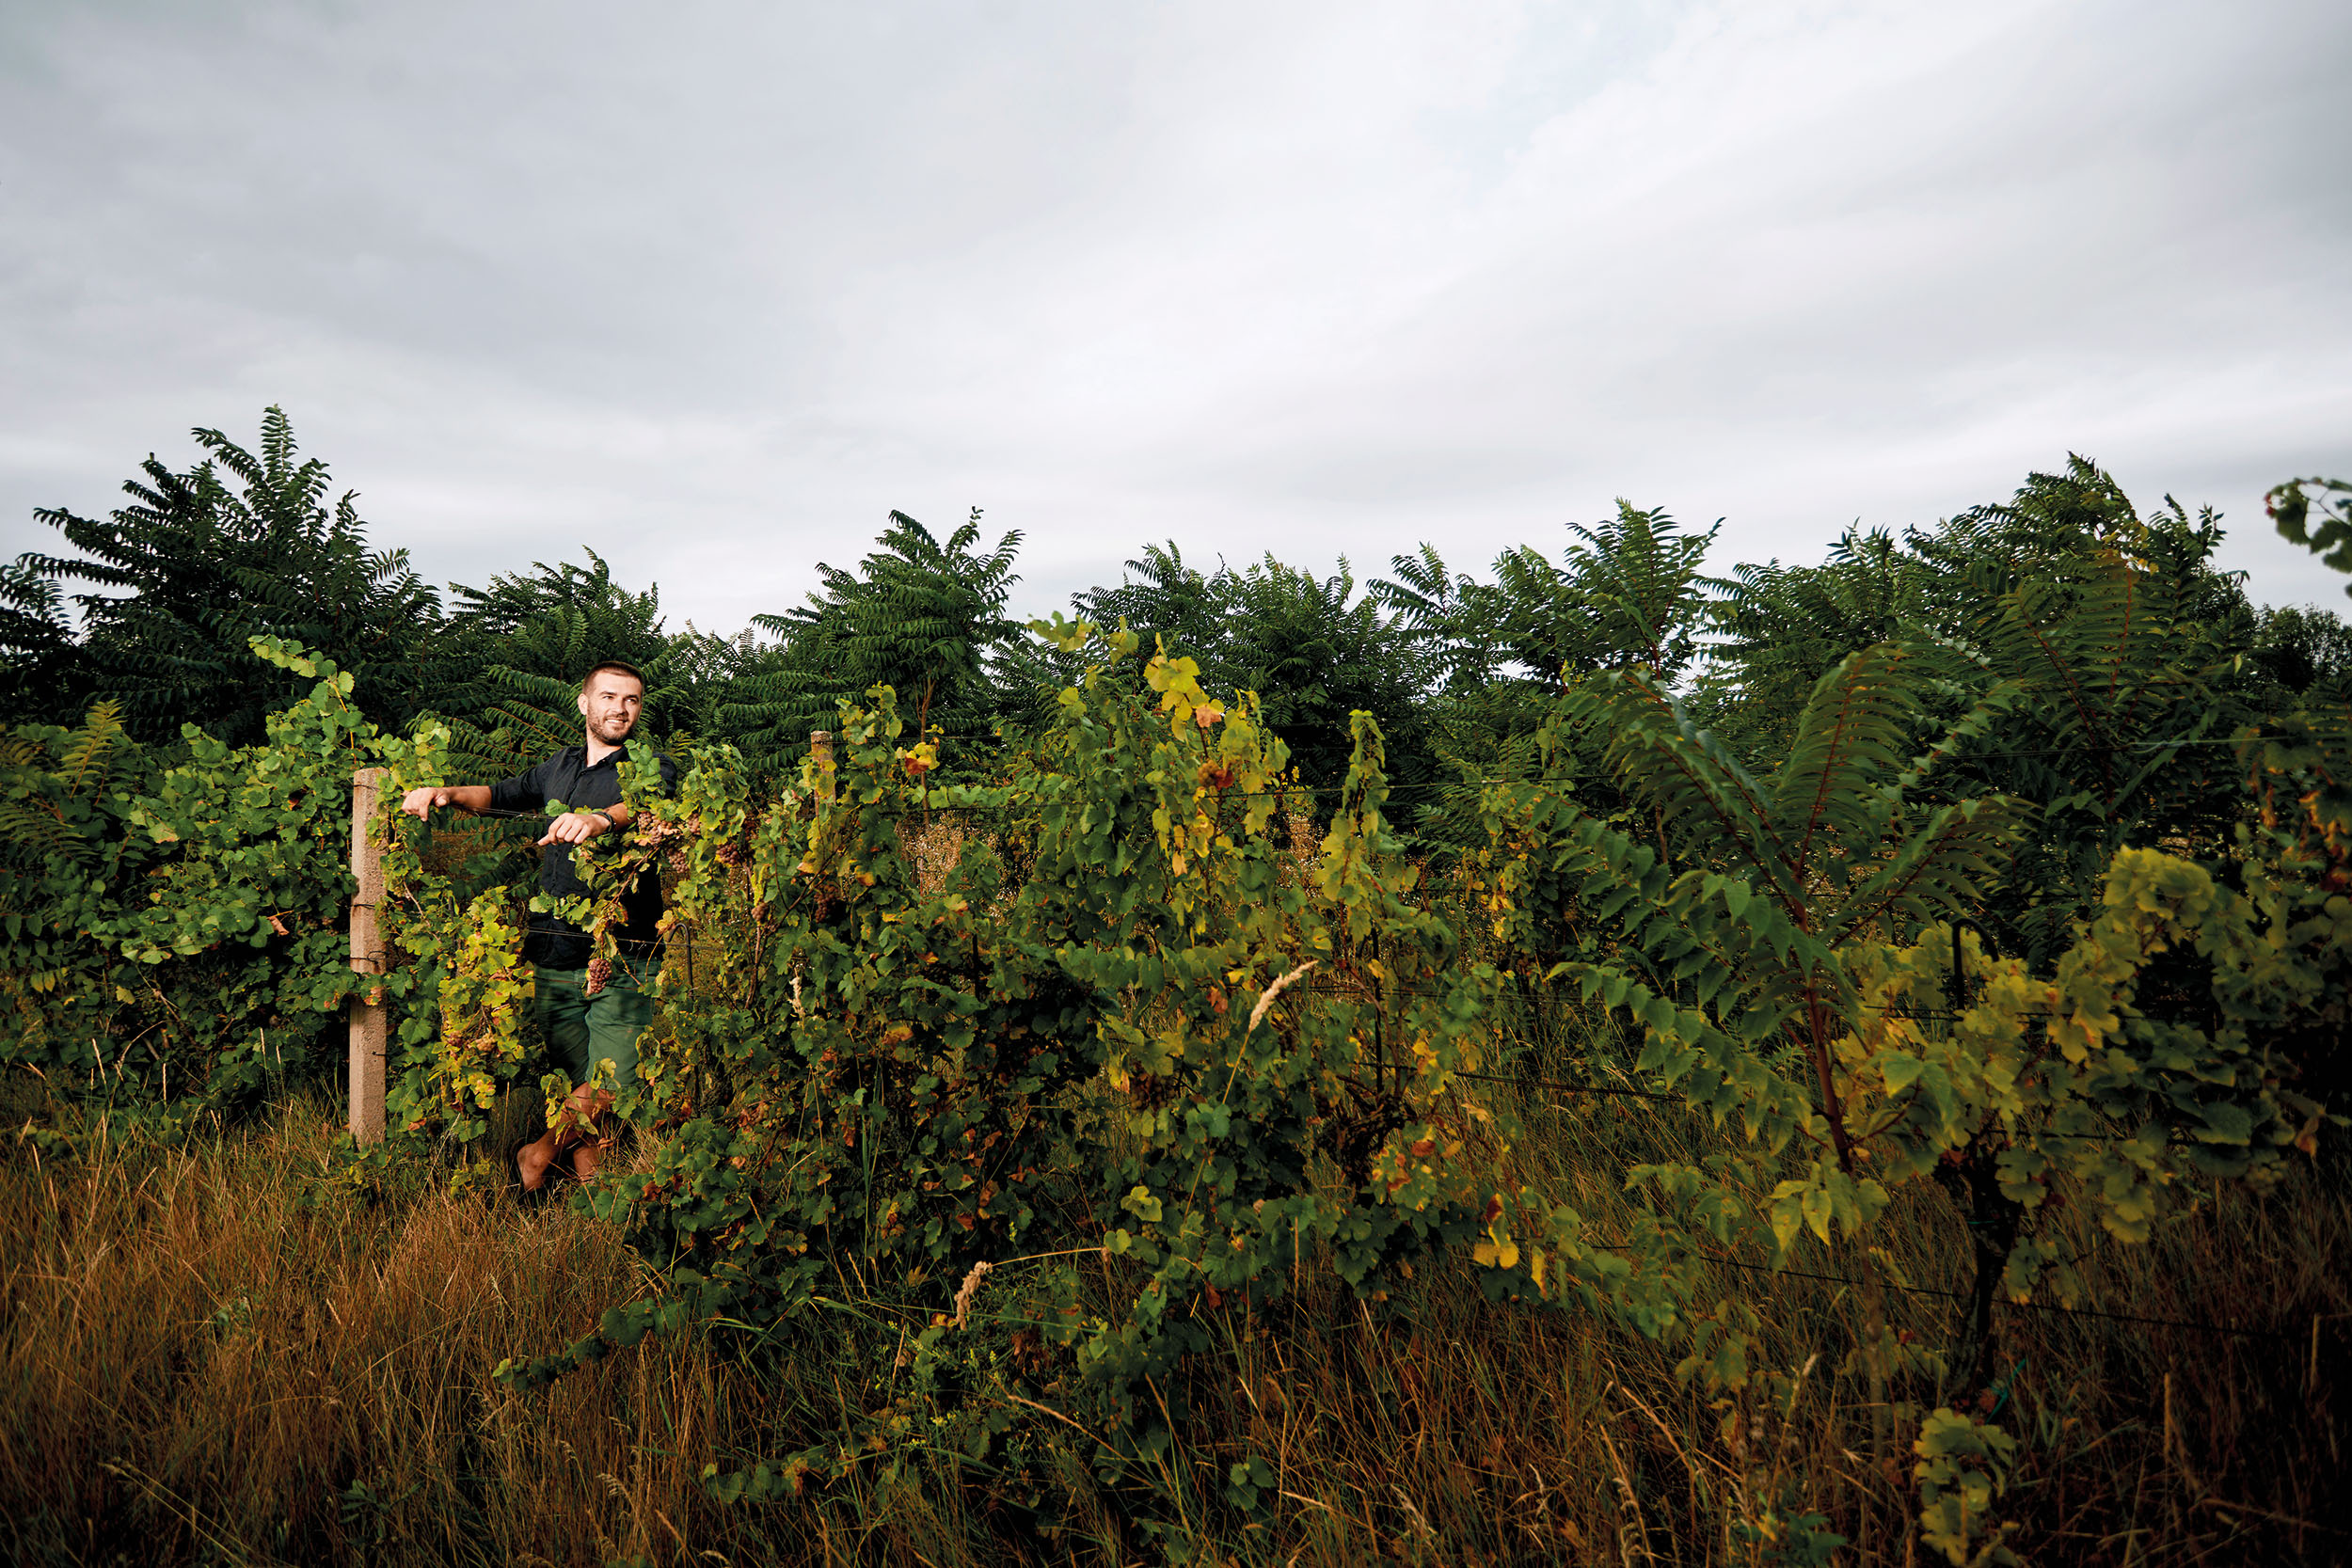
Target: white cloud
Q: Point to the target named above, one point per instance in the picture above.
(712, 291)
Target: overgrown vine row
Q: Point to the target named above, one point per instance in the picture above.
(1093, 1055)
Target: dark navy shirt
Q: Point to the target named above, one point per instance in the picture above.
(568, 777)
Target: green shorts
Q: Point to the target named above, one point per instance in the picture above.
(583, 1030)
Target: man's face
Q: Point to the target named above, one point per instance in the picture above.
(610, 705)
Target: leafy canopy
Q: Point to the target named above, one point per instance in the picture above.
(243, 544)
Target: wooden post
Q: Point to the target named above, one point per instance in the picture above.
(821, 747)
(367, 958)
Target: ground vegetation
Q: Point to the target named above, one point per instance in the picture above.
(1592, 1061)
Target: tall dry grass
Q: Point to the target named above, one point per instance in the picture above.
(210, 1354)
(214, 1353)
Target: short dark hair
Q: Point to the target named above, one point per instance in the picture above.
(613, 664)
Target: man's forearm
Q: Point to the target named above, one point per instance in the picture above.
(422, 802)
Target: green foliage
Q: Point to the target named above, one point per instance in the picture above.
(2121, 668)
(2015, 868)
(187, 916)
(1071, 1037)
(2292, 506)
(1827, 966)
(922, 615)
(1627, 594)
(2126, 658)
(1456, 672)
(1780, 953)
(1312, 649)
(36, 641)
(2061, 586)
(63, 847)
(2300, 772)
(1315, 659)
(526, 641)
(240, 545)
(2163, 1049)
(1780, 627)
(2302, 653)
(1167, 604)
(1963, 1465)
(459, 1038)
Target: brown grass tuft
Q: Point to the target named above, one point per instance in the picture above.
(211, 1354)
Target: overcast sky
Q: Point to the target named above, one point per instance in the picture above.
(711, 287)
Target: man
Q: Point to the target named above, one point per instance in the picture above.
(582, 1029)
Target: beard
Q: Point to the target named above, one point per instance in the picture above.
(613, 728)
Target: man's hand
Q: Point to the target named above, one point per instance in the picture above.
(575, 827)
(419, 803)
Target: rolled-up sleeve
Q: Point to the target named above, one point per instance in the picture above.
(521, 793)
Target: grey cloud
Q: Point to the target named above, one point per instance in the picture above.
(710, 288)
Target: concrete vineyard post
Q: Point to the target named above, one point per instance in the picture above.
(367, 958)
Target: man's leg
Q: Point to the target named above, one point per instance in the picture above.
(562, 1005)
(615, 1017)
